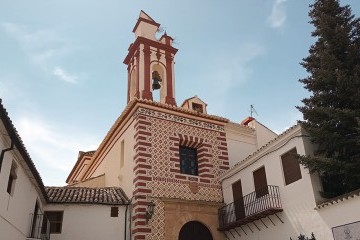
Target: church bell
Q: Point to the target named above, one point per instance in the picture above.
(156, 80)
(156, 84)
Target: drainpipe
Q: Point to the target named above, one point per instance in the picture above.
(127, 206)
(3, 153)
(126, 210)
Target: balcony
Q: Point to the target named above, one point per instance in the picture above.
(39, 227)
(253, 206)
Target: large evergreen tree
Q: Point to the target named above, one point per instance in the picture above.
(332, 112)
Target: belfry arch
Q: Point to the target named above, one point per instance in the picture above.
(160, 93)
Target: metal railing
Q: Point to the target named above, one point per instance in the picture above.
(39, 227)
(252, 204)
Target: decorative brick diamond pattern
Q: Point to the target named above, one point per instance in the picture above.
(183, 191)
(157, 165)
(157, 222)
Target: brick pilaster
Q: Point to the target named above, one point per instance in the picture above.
(142, 177)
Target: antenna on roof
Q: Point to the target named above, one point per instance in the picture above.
(252, 110)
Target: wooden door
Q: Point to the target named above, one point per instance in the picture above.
(260, 182)
(238, 200)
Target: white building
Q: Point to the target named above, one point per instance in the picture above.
(268, 195)
(28, 210)
(22, 193)
(86, 213)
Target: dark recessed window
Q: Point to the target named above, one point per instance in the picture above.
(291, 166)
(12, 178)
(55, 219)
(114, 212)
(260, 182)
(188, 160)
(197, 107)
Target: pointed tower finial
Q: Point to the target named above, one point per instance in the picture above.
(149, 57)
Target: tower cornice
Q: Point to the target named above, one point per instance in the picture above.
(141, 40)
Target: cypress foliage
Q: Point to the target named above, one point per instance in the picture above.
(332, 113)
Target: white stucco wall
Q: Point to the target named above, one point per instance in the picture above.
(15, 209)
(344, 212)
(241, 142)
(273, 168)
(108, 170)
(90, 222)
(115, 175)
(100, 170)
(263, 134)
(298, 198)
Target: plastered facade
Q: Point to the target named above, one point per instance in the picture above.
(16, 208)
(90, 222)
(299, 199)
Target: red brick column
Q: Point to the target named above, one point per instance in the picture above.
(224, 157)
(137, 69)
(146, 93)
(169, 80)
(142, 178)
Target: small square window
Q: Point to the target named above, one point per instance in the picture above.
(114, 212)
(55, 219)
(188, 160)
(197, 107)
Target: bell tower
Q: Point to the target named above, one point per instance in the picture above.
(150, 63)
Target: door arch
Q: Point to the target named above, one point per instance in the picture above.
(194, 231)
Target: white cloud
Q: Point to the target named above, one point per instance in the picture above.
(232, 70)
(43, 47)
(230, 74)
(40, 45)
(53, 148)
(63, 75)
(277, 17)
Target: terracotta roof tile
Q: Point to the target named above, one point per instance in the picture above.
(88, 153)
(85, 195)
(338, 199)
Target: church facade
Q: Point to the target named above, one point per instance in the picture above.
(163, 155)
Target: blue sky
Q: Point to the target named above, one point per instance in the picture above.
(63, 82)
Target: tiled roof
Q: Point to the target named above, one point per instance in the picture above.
(338, 199)
(85, 195)
(15, 137)
(88, 153)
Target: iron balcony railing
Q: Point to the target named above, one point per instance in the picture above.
(252, 206)
(39, 227)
